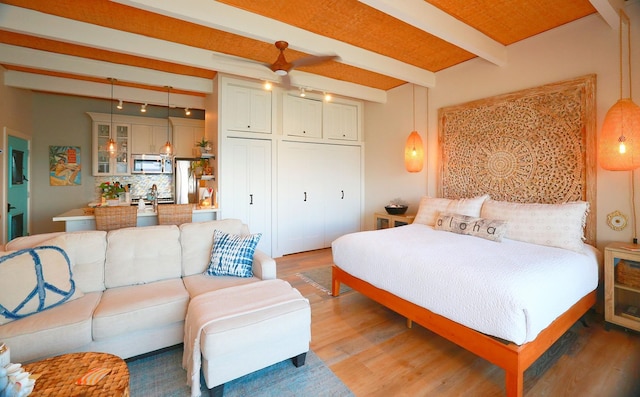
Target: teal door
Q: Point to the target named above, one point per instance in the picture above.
(17, 187)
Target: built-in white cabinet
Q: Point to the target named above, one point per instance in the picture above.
(246, 107)
(301, 117)
(245, 185)
(186, 132)
(319, 194)
(340, 121)
(103, 162)
(147, 138)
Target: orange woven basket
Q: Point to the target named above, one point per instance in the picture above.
(628, 273)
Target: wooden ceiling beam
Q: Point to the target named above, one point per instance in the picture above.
(233, 20)
(432, 20)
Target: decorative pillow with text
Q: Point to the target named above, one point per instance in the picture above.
(430, 207)
(488, 229)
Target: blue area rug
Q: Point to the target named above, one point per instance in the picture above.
(161, 375)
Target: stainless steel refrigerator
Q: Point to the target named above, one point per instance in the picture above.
(185, 181)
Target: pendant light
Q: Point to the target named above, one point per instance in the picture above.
(620, 137)
(166, 149)
(413, 150)
(111, 144)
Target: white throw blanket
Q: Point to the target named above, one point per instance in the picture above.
(223, 304)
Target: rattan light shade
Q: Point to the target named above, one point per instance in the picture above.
(622, 120)
(414, 153)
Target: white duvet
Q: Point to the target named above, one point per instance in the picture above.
(510, 289)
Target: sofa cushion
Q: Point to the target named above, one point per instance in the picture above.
(55, 331)
(86, 251)
(197, 241)
(232, 254)
(33, 280)
(200, 283)
(134, 308)
(142, 255)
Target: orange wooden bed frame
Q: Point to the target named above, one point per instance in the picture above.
(514, 359)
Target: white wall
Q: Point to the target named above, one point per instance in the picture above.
(583, 47)
(386, 129)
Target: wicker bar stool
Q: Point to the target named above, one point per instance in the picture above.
(175, 214)
(110, 218)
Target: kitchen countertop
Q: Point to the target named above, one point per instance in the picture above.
(77, 214)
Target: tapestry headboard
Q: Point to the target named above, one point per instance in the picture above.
(532, 146)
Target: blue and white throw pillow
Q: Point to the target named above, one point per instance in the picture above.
(232, 255)
(34, 279)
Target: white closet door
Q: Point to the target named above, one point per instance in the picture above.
(246, 189)
(342, 191)
(300, 197)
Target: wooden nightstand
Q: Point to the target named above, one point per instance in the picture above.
(382, 220)
(621, 299)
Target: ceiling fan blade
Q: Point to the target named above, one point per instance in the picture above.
(313, 60)
(285, 81)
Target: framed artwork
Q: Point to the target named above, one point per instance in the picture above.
(64, 166)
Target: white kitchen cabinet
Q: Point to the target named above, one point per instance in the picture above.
(246, 107)
(319, 194)
(301, 117)
(340, 121)
(186, 132)
(146, 138)
(245, 185)
(104, 164)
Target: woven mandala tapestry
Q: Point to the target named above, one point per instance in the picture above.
(532, 146)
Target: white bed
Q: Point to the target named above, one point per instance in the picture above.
(510, 289)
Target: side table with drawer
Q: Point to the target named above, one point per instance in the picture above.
(622, 285)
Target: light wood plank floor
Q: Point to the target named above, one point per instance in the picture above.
(373, 352)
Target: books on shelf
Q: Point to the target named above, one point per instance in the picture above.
(632, 312)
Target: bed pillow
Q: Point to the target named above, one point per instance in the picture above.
(430, 207)
(554, 225)
(232, 254)
(489, 229)
(33, 280)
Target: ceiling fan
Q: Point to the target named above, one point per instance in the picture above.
(282, 67)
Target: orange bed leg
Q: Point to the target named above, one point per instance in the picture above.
(335, 283)
(514, 383)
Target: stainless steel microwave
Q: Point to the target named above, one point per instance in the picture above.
(151, 164)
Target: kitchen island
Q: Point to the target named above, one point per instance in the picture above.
(78, 219)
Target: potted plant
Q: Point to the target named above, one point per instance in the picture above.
(204, 146)
(111, 191)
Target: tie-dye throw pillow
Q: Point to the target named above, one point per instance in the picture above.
(232, 255)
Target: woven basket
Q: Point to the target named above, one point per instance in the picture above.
(628, 273)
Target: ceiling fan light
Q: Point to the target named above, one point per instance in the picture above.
(281, 72)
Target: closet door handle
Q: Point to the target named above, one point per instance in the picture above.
(342, 198)
(305, 196)
(251, 199)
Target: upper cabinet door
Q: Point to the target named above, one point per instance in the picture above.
(104, 163)
(247, 109)
(340, 121)
(302, 117)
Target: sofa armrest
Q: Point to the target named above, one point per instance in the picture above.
(264, 266)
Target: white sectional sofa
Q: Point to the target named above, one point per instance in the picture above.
(137, 284)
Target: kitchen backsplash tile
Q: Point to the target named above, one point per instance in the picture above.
(140, 184)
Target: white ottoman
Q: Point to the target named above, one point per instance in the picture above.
(249, 327)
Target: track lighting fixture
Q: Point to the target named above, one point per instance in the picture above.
(187, 112)
(119, 104)
(268, 86)
(302, 92)
(327, 97)
(143, 108)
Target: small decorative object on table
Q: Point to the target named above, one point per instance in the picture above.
(111, 191)
(396, 207)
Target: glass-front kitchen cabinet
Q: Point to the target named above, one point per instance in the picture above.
(105, 163)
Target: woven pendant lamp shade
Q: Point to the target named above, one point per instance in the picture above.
(414, 153)
(622, 120)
